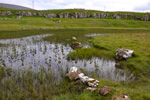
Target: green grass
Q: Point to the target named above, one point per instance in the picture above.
(139, 42)
(40, 22)
(23, 86)
(105, 47)
(129, 34)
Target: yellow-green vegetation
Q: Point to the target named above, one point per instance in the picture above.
(139, 42)
(130, 34)
(41, 22)
(139, 64)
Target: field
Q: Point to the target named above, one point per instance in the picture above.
(41, 84)
(41, 22)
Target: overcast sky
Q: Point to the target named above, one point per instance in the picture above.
(105, 5)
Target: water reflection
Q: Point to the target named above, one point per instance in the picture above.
(22, 53)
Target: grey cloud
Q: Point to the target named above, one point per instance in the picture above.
(145, 7)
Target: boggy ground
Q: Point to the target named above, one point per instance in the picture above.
(42, 85)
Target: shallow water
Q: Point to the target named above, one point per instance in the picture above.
(22, 53)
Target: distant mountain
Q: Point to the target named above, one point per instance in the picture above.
(14, 6)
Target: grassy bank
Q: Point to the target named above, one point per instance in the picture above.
(41, 22)
(41, 85)
(105, 47)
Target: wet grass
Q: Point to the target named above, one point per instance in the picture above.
(139, 42)
(42, 85)
(138, 64)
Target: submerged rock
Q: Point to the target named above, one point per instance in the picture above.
(75, 74)
(75, 45)
(122, 53)
(105, 90)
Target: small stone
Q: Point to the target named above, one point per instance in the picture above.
(74, 38)
(92, 89)
(75, 45)
(106, 90)
(121, 97)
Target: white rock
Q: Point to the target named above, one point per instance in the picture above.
(73, 69)
(85, 79)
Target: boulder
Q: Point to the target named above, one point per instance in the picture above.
(39, 14)
(105, 90)
(90, 81)
(66, 15)
(50, 15)
(34, 14)
(19, 17)
(145, 18)
(74, 38)
(28, 14)
(75, 74)
(122, 53)
(61, 15)
(118, 17)
(75, 45)
(59, 21)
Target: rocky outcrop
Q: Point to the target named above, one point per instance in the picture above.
(5, 13)
(82, 14)
(145, 18)
(118, 17)
(29, 14)
(50, 16)
(39, 14)
(122, 53)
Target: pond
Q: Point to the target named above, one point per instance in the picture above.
(33, 52)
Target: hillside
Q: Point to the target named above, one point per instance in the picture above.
(76, 13)
(13, 6)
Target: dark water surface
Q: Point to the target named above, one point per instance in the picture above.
(34, 52)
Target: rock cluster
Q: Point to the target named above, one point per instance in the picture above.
(75, 74)
(83, 14)
(122, 53)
